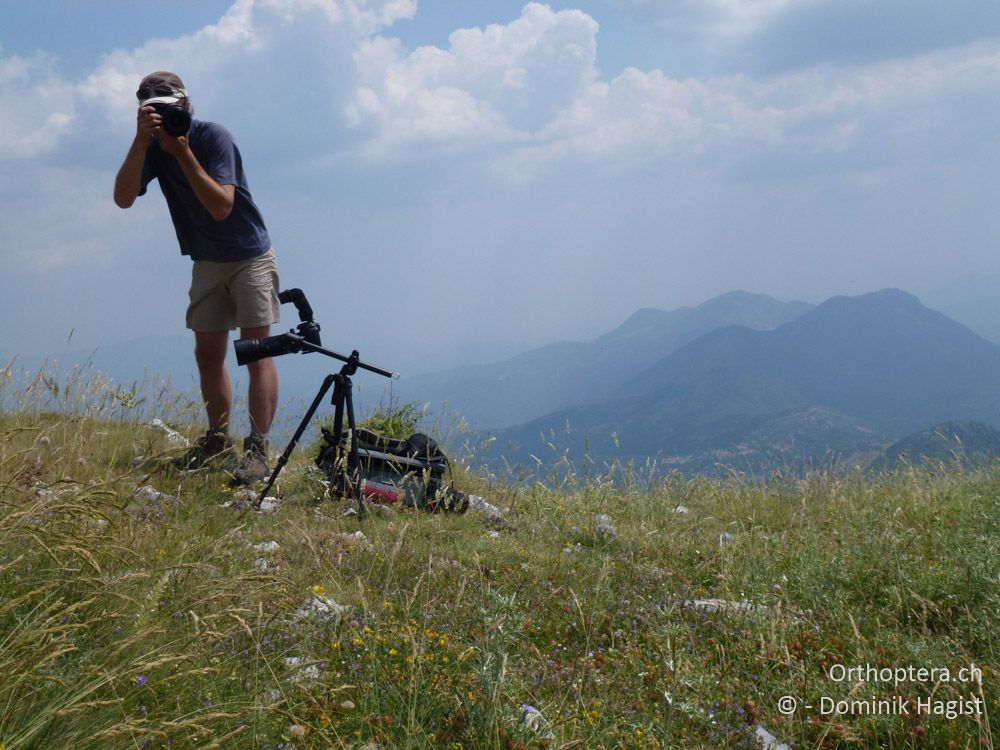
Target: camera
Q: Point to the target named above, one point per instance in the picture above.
(175, 118)
(307, 332)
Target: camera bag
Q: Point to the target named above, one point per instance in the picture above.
(411, 471)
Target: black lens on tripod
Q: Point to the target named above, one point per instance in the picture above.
(251, 350)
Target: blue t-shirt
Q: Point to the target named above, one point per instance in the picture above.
(240, 236)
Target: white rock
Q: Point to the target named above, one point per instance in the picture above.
(261, 565)
(767, 741)
(604, 527)
(303, 672)
(150, 494)
(479, 505)
(266, 547)
(322, 609)
(723, 605)
(268, 505)
(173, 437)
(358, 537)
(681, 509)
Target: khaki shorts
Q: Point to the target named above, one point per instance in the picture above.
(241, 294)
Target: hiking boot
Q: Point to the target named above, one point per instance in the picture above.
(210, 448)
(253, 466)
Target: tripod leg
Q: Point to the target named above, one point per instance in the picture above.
(340, 464)
(327, 382)
(353, 460)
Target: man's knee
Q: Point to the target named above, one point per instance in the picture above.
(210, 352)
(262, 370)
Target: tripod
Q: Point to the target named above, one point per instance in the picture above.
(343, 404)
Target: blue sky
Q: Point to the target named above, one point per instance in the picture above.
(446, 179)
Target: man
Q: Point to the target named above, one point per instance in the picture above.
(234, 280)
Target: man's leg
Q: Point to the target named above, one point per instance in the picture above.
(216, 390)
(263, 396)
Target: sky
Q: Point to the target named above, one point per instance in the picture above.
(454, 181)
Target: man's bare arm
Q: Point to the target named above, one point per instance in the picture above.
(128, 181)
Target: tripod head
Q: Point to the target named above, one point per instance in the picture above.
(302, 339)
(250, 350)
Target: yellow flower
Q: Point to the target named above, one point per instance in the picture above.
(393, 652)
(317, 589)
(160, 554)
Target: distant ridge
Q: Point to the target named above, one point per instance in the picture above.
(955, 444)
(569, 373)
(838, 383)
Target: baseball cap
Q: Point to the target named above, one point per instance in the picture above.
(160, 83)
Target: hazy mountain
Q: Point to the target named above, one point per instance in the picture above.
(964, 444)
(841, 379)
(568, 373)
(974, 301)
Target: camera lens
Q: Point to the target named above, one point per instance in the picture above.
(176, 121)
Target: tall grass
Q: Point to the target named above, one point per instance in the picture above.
(132, 619)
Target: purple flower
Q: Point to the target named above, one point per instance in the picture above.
(142, 680)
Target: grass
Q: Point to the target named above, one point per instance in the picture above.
(131, 620)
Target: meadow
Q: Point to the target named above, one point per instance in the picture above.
(144, 608)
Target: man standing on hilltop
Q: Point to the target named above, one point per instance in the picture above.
(234, 280)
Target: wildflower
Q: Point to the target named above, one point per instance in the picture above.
(160, 553)
(141, 680)
(393, 652)
(318, 590)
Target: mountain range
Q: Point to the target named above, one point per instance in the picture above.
(563, 374)
(834, 384)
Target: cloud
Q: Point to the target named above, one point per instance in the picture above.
(502, 83)
(530, 91)
(38, 106)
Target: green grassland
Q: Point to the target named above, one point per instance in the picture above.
(131, 619)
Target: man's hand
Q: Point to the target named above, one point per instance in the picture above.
(147, 125)
(176, 147)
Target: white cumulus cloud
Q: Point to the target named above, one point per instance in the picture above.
(503, 82)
